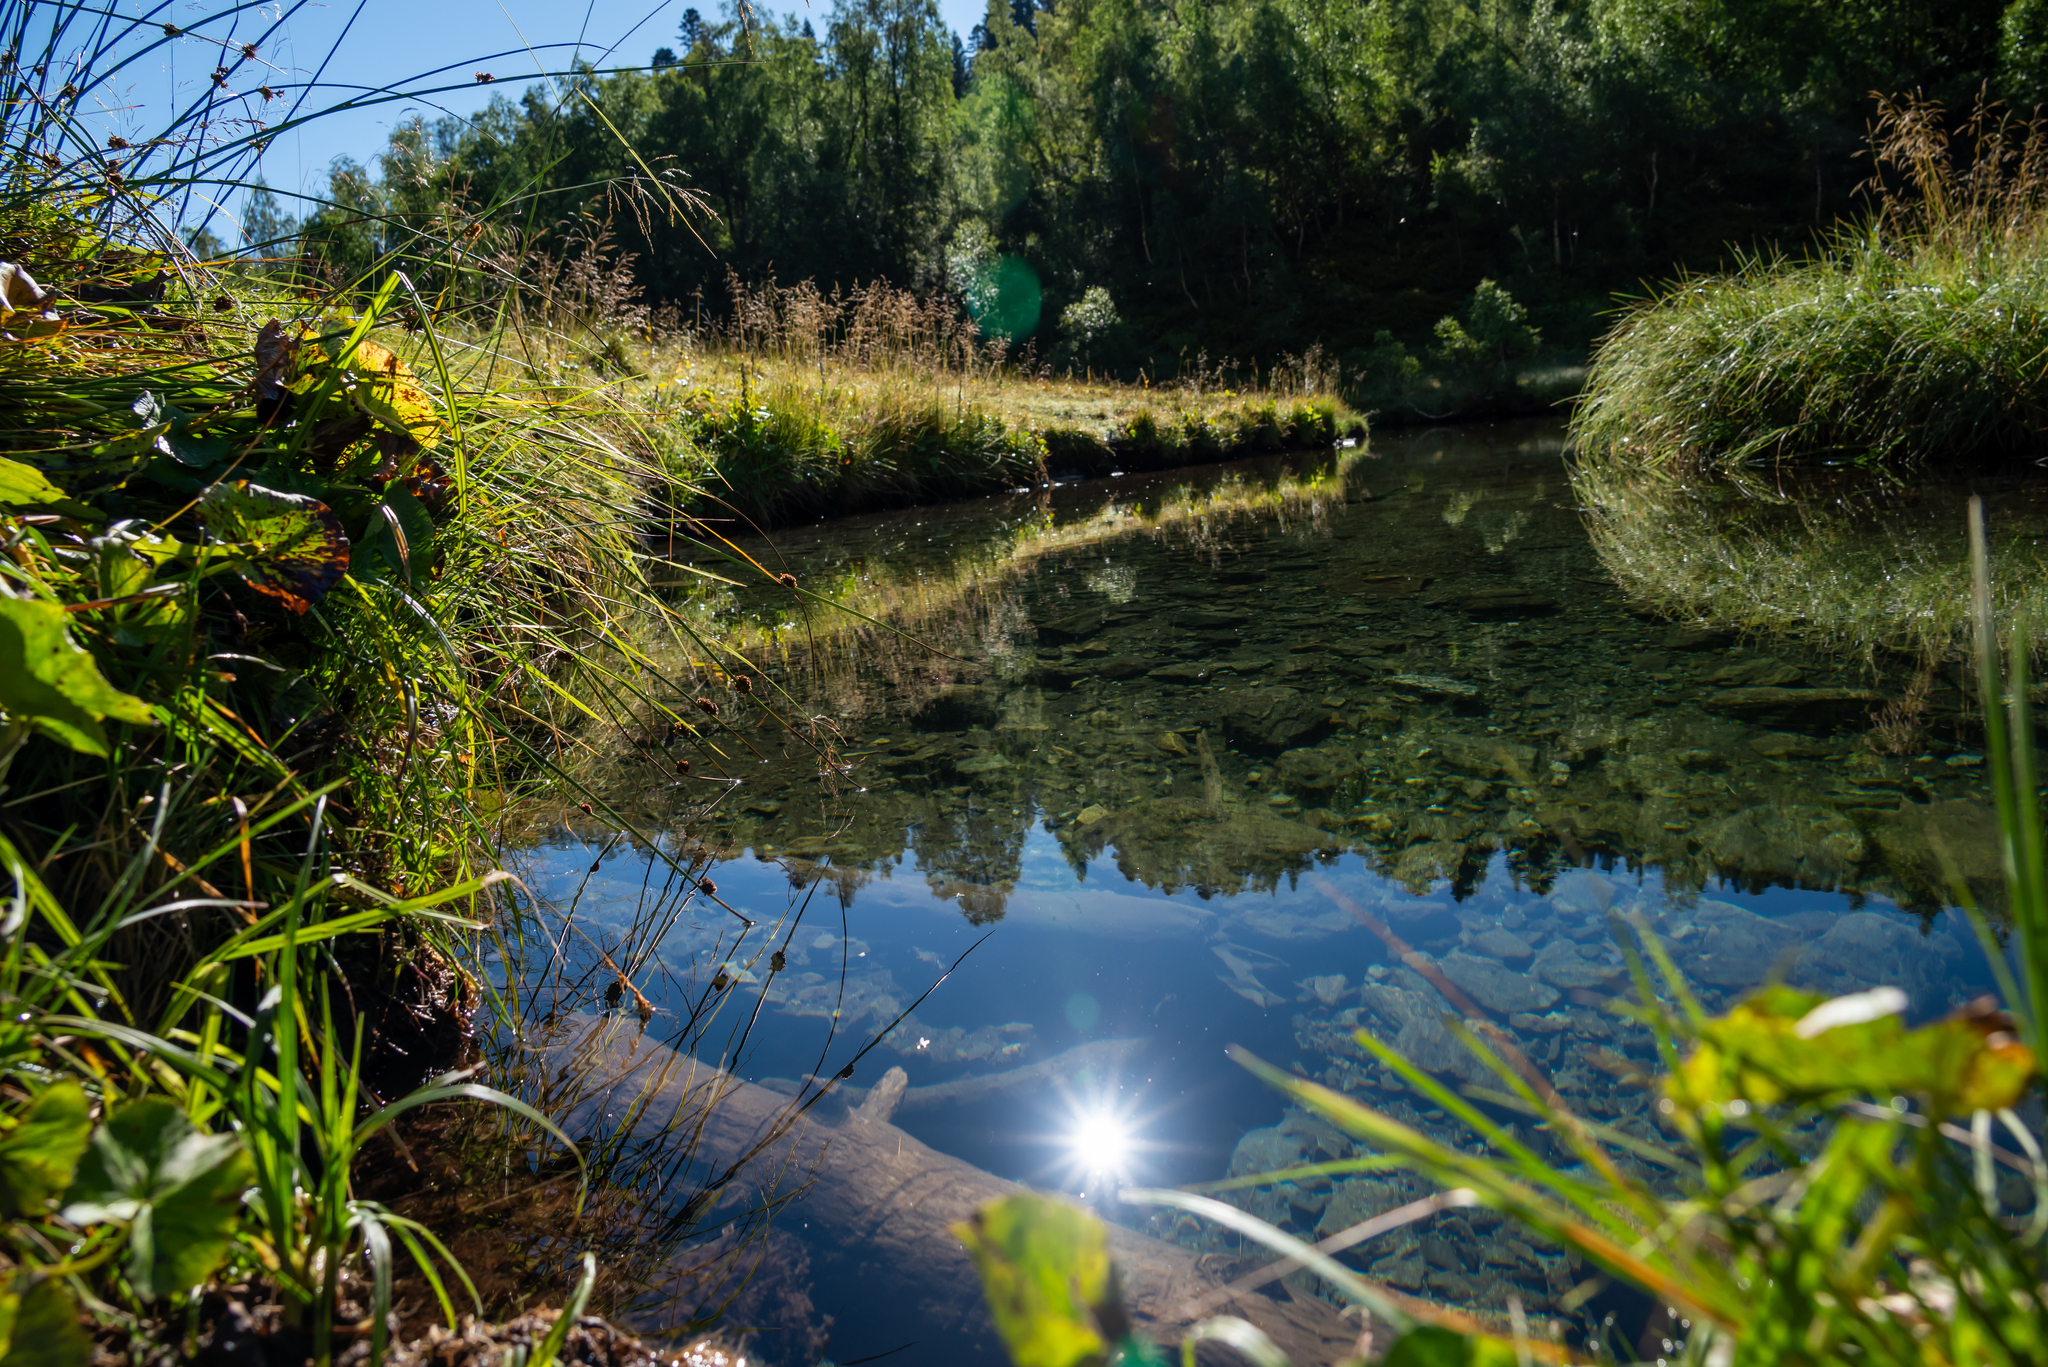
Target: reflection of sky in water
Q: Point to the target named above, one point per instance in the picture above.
(1312, 697)
(1075, 961)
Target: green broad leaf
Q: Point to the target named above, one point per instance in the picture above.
(179, 1192)
(49, 682)
(39, 1326)
(1433, 1346)
(199, 452)
(1784, 1045)
(293, 547)
(24, 486)
(372, 380)
(1046, 1272)
(39, 1155)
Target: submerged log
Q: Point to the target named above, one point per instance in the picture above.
(1096, 1055)
(877, 1212)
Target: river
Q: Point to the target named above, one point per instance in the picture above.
(1166, 763)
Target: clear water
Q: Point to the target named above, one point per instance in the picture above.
(1198, 748)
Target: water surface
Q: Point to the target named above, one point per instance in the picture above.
(1185, 761)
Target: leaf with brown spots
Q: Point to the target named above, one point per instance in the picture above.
(292, 548)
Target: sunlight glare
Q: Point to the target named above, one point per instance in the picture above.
(1100, 1143)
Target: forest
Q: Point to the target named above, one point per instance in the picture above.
(1122, 183)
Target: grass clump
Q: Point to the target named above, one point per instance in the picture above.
(1918, 338)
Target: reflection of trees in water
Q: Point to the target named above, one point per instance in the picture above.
(953, 607)
(1845, 560)
(975, 854)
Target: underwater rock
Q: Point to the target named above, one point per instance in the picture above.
(1419, 867)
(1122, 666)
(1786, 745)
(1465, 697)
(1416, 1021)
(1498, 988)
(1812, 707)
(1069, 626)
(1863, 947)
(1061, 674)
(1695, 638)
(1327, 988)
(1381, 585)
(1207, 618)
(959, 707)
(1270, 720)
(1810, 846)
(1313, 771)
(1759, 671)
(1497, 602)
(1572, 967)
(1487, 756)
(1731, 946)
(1581, 892)
(1243, 979)
(1267, 1149)
(982, 765)
(1504, 945)
(1926, 846)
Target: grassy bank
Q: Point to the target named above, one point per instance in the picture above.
(803, 404)
(298, 600)
(1917, 339)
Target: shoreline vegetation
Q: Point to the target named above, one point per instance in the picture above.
(1911, 341)
(302, 607)
(320, 573)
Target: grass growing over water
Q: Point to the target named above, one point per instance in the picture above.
(1919, 338)
(805, 404)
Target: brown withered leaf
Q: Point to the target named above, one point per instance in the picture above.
(274, 347)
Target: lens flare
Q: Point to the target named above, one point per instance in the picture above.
(1100, 1143)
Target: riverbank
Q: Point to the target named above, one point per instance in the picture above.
(1914, 340)
(291, 610)
(785, 440)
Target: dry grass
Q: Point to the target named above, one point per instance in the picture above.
(798, 402)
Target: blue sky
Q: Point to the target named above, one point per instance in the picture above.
(392, 40)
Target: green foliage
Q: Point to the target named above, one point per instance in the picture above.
(1493, 332)
(333, 580)
(178, 1191)
(1045, 1268)
(1093, 336)
(1245, 176)
(39, 1325)
(1914, 339)
(49, 683)
(40, 1153)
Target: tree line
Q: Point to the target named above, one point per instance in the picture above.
(1241, 177)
